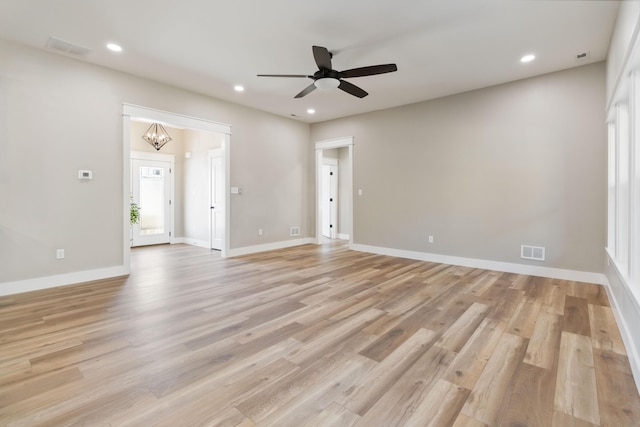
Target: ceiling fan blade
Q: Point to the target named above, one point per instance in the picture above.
(283, 75)
(369, 71)
(322, 57)
(352, 89)
(306, 91)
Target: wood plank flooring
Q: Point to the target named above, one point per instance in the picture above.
(313, 336)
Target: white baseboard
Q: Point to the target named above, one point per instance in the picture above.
(270, 246)
(17, 287)
(343, 236)
(192, 242)
(626, 309)
(531, 270)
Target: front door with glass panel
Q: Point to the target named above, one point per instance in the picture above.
(151, 182)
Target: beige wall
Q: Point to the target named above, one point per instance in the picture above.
(59, 115)
(486, 171)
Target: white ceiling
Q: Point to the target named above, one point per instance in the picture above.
(441, 47)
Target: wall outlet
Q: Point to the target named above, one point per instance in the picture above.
(430, 239)
(59, 253)
(259, 231)
(294, 231)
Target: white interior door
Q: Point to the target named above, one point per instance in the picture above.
(151, 191)
(217, 198)
(330, 198)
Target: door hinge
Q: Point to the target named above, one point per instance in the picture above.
(169, 170)
(169, 234)
(169, 202)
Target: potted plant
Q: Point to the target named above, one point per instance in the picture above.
(134, 217)
(134, 213)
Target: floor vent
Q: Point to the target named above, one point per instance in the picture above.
(64, 46)
(294, 231)
(532, 252)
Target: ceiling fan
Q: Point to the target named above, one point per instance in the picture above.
(328, 78)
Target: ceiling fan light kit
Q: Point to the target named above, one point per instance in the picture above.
(327, 83)
(327, 78)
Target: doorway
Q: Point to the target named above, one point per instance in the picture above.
(345, 213)
(144, 114)
(152, 190)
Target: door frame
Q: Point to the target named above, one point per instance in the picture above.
(345, 142)
(213, 153)
(136, 112)
(164, 158)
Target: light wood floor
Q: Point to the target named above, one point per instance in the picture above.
(313, 336)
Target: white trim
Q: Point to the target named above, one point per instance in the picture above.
(626, 311)
(270, 246)
(334, 143)
(634, 175)
(127, 237)
(530, 270)
(149, 155)
(625, 279)
(192, 242)
(146, 114)
(343, 236)
(329, 161)
(226, 156)
(39, 283)
(630, 61)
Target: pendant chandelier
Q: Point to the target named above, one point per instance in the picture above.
(157, 136)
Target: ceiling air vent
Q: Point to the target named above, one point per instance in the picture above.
(64, 46)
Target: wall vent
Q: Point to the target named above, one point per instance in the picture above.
(294, 231)
(532, 252)
(64, 46)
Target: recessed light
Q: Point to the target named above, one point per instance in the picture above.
(311, 111)
(238, 88)
(114, 47)
(527, 58)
